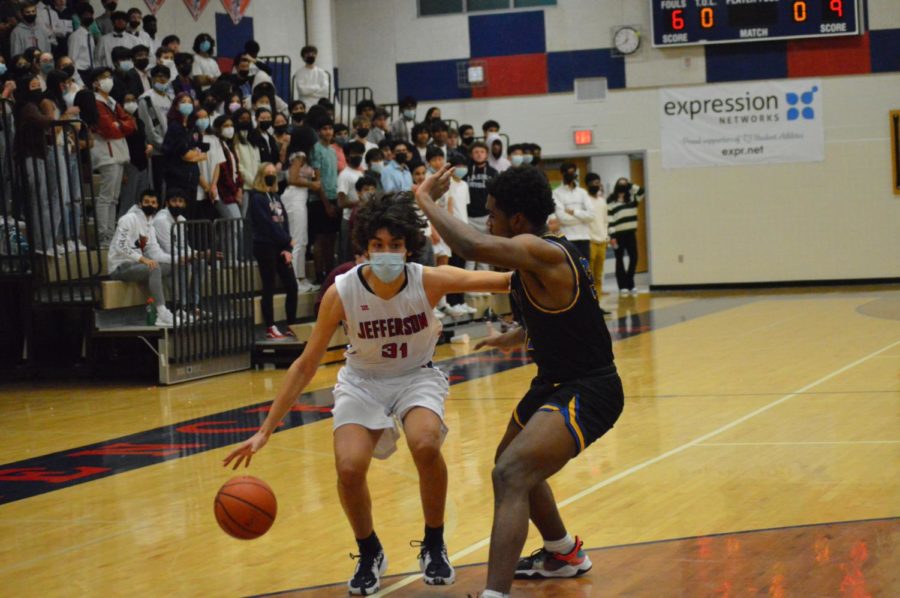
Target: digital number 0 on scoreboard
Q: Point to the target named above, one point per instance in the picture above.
(692, 22)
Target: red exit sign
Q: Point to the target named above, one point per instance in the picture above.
(584, 137)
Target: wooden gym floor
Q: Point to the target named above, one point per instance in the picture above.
(758, 453)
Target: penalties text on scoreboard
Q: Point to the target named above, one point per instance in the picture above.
(691, 22)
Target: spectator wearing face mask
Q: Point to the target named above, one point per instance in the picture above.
(181, 148)
(396, 176)
(166, 57)
(29, 34)
(163, 222)
(301, 181)
(247, 153)
(380, 126)
(118, 38)
(489, 127)
(272, 247)
(573, 210)
(361, 129)
(264, 88)
(230, 182)
(439, 135)
(347, 197)
(136, 176)
(183, 82)
(135, 254)
(263, 138)
(622, 204)
(311, 83)
(125, 79)
(173, 43)
(206, 69)
(516, 155)
(82, 45)
(140, 54)
(153, 110)
(599, 229)
(109, 154)
(210, 169)
(45, 67)
(135, 24)
(459, 204)
(402, 127)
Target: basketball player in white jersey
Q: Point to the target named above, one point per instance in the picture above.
(386, 306)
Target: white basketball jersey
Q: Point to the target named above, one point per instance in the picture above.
(392, 336)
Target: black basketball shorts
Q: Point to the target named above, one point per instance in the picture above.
(590, 405)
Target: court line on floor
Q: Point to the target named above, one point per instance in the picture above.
(807, 443)
(640, 466)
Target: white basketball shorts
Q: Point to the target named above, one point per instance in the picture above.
(382, 403)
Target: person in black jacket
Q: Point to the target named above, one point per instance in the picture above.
(263, 137)
(272, 246)
(181, 148)
(125, 79)
(137, 173)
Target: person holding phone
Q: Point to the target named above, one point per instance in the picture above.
(272, 246)
(181, 148)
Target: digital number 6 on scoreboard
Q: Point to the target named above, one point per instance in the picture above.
(693, 22)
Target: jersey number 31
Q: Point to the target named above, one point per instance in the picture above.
(392, 350)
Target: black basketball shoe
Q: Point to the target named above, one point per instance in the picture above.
(435, 564)
(366, 579)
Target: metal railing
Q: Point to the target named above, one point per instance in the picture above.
(280, 69)
(346, 100)
(53, 192)
(212, 291)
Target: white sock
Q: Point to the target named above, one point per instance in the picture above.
(493, 594)
(563, 546)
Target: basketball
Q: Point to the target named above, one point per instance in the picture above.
(245, 507)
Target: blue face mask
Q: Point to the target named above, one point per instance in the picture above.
(527, 158)
(160, 87)
(205, 46)
(387, 266)
(46, 67)
(2, 69)
(517, 160)
(461, 172)
(202, 124)
(126, 65)
(186, 109)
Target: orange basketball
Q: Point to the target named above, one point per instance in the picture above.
(245, 507)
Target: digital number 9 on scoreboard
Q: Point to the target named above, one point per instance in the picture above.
(690, 22)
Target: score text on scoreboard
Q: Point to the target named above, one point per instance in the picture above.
(691, 22)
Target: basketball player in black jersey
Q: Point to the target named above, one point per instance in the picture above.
(577, 395)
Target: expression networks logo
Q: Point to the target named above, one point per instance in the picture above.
(801, 105)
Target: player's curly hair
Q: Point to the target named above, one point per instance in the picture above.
(394, 211)
(525, 190)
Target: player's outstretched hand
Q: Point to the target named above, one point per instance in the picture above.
(437, 184)
(246, 450)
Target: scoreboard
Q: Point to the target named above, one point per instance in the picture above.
(691, 22)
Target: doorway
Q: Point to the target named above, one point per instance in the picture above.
(610, 167)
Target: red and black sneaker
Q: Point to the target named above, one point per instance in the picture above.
(546, 564)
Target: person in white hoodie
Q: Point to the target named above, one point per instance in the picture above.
(135, 254)
(574, 210)
(497, 155)
(163, 223)
(311, 83)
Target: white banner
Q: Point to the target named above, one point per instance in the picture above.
(744, 123)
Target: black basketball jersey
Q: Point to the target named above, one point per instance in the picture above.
(571, 342)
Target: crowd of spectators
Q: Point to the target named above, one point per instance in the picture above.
(157, 118)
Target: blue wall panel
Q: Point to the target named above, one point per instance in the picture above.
(434, 80)
(230, 38)
(564, 67)
(744, 62)
(885, 45)
(507, 34)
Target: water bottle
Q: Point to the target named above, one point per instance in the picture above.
(151, 312)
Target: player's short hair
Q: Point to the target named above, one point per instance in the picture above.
(397, 213)
(523, 190)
